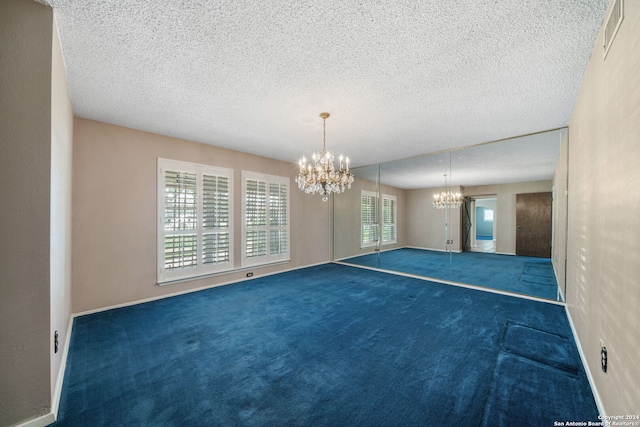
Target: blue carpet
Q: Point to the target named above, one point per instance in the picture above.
(531, 360)
(519, 274)
(329, 345)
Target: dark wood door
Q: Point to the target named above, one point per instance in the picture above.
(533, 224)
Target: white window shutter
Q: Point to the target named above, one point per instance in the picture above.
(195, 220)
(370, 218)
(266, 219)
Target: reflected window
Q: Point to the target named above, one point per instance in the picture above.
(488, 215)
(389, 218)
(369, 214)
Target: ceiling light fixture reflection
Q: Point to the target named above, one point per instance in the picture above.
(447, 198)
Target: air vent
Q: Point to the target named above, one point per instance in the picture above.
(613, 24)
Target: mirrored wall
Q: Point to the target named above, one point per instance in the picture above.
(507, 234)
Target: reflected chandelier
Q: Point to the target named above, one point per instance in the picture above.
(447, 198)
(320, 175)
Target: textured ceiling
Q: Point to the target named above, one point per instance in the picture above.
(399, 78)
(527, 158)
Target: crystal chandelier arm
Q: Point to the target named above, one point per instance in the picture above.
(320, 175)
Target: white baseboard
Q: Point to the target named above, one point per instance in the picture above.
(555, 273)
(432, 249)
(41, 421)
(57, 392)
(592, 383)
(449, 282)
(394, 249)
(51, 417)
(188, 291)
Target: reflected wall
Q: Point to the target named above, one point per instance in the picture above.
(530, 164)
(348, 215)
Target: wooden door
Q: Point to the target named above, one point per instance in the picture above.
(533, 224)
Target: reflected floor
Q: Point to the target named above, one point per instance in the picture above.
(519, 274)
(488, 246)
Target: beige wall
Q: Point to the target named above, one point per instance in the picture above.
(25, 171)
(427, 224)
(60, 243)
(560, 200)
(505, 216)
(603, 268)
(423, 226)
(347, 220)
(114, 213)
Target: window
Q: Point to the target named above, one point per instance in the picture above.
(370, 232)
(195, 221)
(370, 218)
(388, 219)
(265, 229)
(488, 215)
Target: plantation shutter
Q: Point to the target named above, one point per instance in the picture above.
(388, 219)
(256, 218)
(278, 238)
(369, 219)
(195, 220)
(180, 220)
(266, 219)
(215, 219)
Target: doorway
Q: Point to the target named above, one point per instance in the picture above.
(480, 224)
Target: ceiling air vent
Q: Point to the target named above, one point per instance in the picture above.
(613, 23)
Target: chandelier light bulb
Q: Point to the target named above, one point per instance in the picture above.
(320, 176)
(447, 198)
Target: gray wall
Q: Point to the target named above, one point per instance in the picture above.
(560, 201)
(603, 270)
(25, 185)
(61, 204)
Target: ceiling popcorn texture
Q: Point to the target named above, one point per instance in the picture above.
(522, 159)
(399, 78)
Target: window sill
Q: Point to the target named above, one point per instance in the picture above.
(219, 273)
(381, 244)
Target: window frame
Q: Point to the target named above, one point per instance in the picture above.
(393, 224)
(164, 275)
(486, 215)
(268, 227)
(375, 226)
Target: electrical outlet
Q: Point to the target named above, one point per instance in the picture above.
(249, 274)
(55, 342)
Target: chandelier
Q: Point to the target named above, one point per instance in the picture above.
(447, 198)
(320, 175)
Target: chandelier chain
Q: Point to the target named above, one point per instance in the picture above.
(324, 134)
(320, 175)
(447, 198)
